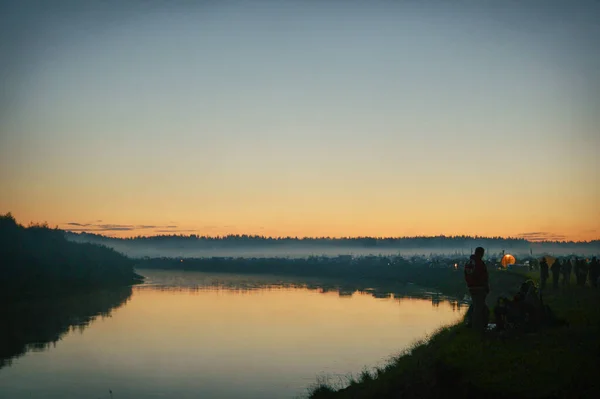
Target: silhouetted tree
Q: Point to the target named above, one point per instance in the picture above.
(38, 260)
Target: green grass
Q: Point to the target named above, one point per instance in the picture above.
(553, 362)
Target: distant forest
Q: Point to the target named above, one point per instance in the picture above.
(367, 242)
(39, 261)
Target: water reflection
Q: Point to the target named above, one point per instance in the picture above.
(39, 325)
(170, 280)
(192, 334)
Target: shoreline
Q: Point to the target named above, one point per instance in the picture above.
(454, 360)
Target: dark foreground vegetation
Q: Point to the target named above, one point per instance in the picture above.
(38, 261)
(559, 362)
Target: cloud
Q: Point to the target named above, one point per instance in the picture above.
(116, 228)
(104, 230)
(174, 231)
(143, 226)
(542, 236)
(106, 227)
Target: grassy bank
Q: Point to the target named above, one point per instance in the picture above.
(558, 362)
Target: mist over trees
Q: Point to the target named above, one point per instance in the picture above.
(351, 241)
(261, 246)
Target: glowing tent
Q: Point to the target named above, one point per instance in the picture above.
(507, 259)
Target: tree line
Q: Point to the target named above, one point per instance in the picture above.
(38, 261)
(440, 241)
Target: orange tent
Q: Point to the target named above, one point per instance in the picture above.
(507, 259)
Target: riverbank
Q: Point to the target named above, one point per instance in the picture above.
(557, 362)
(386, 273)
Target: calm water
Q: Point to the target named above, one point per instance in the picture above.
(197, 335)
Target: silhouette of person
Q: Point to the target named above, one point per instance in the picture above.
(581, 271)
(476, 277)
(555, 268)
(543, 272)
(594, 272)
(566, 271)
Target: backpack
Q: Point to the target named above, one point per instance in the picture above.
(470, 273)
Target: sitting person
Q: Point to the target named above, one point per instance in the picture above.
(501, 312)
(524, 309)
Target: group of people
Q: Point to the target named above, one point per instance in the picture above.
(525, 304)
(581, 268)
(525, 310)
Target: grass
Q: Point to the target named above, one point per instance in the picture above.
(551, 363)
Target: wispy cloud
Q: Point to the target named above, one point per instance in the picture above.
(542, 236)
(99, 227)
(174, 231)
(108, 228)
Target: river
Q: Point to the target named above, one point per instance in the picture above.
(198, 335)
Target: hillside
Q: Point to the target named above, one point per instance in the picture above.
(38, 261)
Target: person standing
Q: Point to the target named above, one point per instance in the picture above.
(566, 271)
(543, 273)
(583, 271)
(555, 269)
(476, 277)
(594, 272)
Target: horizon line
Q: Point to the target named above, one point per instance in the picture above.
(300, 238)
(118, 231)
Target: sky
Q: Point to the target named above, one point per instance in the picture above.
(302, 118)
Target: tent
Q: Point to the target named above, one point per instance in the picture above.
(507, 260)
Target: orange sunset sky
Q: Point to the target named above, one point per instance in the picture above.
(303, 119)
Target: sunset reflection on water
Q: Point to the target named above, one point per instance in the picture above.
(189, 334)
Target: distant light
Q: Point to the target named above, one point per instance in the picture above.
(181, 260)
